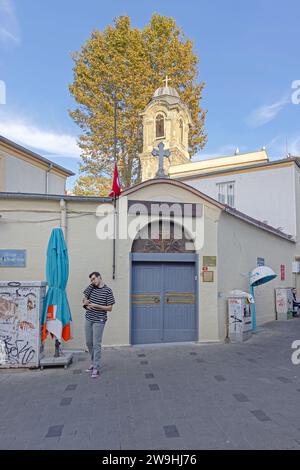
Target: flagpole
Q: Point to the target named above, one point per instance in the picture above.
(115, 199)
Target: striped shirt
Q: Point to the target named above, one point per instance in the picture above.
(100, 296)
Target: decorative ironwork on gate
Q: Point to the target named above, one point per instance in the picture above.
(168, 238)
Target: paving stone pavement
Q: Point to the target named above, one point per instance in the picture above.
(187, 396)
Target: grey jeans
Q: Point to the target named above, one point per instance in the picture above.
(93, 335)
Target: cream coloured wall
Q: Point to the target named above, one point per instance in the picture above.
(56, 184)
(2, 162)
(27, 224)
(27, 234)
(24, 225)
(86, 252)
(208, 325)
(19, 230)
(297, 204)
(22, 176)
(239, 245)
(208, 300)
(219, 163)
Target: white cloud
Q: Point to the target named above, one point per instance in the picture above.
(281, 145)
(9, 26)
(6, 36)
(266, 113)
(294, 146)
(42, 140)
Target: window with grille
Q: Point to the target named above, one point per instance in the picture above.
(226, 193)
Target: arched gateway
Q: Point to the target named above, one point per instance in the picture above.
(163, 285)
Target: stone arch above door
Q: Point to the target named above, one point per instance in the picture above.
(163, 236)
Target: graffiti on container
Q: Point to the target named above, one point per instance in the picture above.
(19, 327)
(16, 351)
(3, 359)
(7, 308)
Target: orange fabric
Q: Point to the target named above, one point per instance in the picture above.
(66, 332)
(44, 332)
(51, 312)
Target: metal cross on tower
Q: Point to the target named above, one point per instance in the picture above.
(167, 80)
(161, 153)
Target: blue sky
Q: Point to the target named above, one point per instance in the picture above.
(249, 58)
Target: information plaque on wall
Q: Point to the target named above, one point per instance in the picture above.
(12, 258)
(208, 276)
(210, 261)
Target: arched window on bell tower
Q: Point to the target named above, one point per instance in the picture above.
(159, 126)
(181, 130)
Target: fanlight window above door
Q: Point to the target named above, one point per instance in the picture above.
(163, 237)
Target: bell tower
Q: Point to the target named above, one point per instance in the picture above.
(165, 119)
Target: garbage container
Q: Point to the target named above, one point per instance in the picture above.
(284, 303)
(21, 307)
(240, 317)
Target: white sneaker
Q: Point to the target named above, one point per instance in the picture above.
(95, 374)
(89, 369)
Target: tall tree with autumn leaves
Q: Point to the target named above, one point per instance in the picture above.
(122, 66)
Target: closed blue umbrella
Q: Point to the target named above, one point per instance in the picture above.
(57, 315)
(258, 276)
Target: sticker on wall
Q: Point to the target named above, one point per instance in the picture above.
(282, 272)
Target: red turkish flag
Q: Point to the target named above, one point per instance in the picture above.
(116, 187)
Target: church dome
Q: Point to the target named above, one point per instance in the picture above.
(165, 91)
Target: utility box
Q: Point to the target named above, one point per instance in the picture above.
(284, 303)
(21, 308)
(296, 267)
(240, 318)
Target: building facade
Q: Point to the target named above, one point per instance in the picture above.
(27, 172)
(167, 288)
(266, 190)
(173, 247)
(165, 119)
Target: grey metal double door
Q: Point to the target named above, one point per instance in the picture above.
(163, 302)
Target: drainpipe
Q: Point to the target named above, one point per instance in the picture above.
(63, 225)
(63, 217)
(47, 177)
